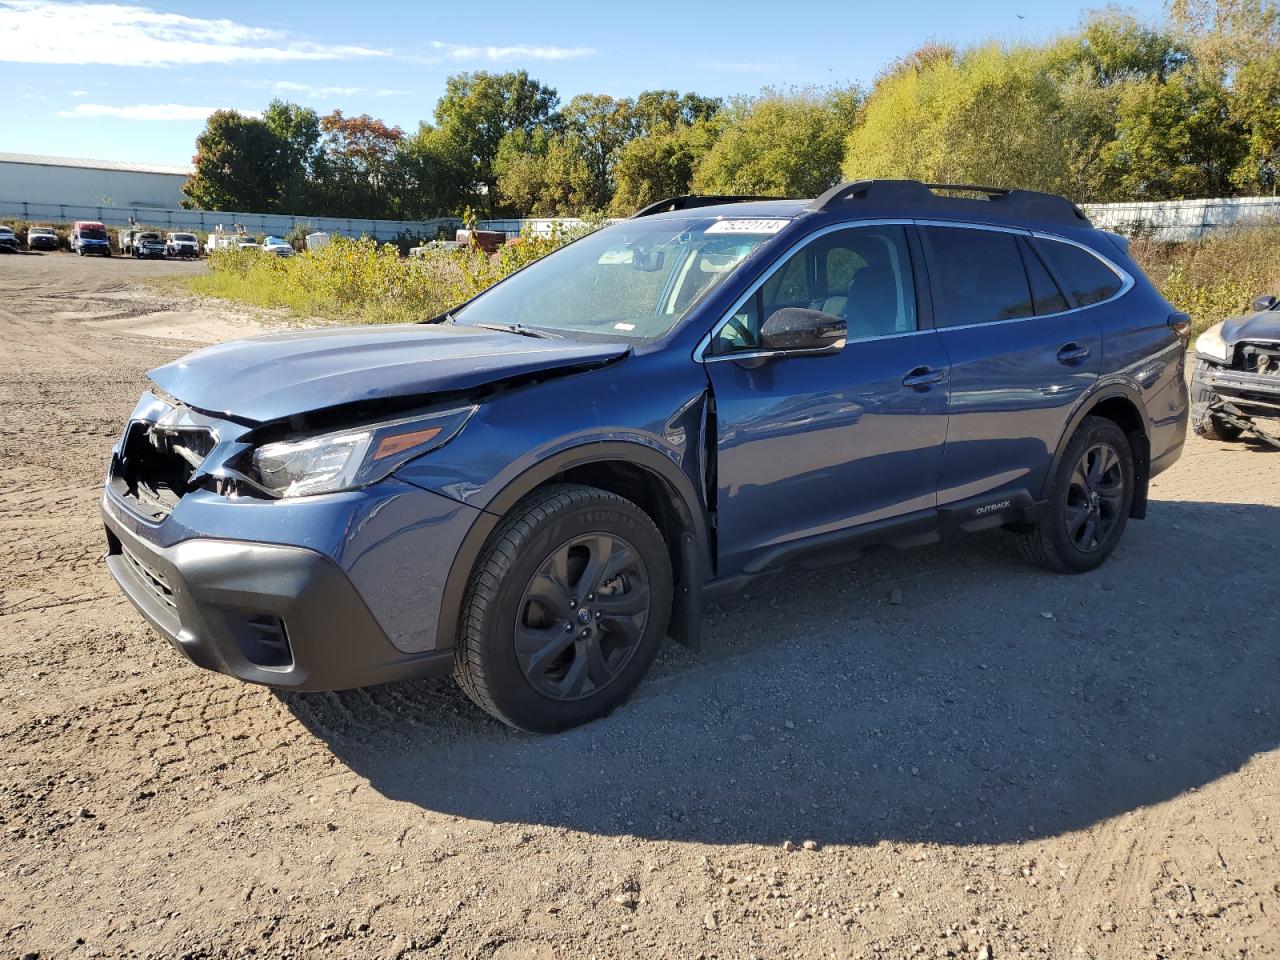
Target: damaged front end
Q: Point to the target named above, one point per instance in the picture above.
(1235, 385)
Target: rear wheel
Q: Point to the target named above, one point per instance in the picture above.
(1090, 496)
(566, 610)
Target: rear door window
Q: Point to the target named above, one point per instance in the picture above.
(1087, 279)
(979, 275)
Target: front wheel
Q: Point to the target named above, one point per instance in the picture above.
(567, 608)
(1090, 495)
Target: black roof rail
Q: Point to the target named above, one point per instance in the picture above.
(1026, 203)
(692, 201)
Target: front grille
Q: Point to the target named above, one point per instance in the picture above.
(156, 464)
(152, 580)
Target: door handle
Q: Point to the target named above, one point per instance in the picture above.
(923, 377)
(1072, 352)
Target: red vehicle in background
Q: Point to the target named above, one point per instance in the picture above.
(89, 236)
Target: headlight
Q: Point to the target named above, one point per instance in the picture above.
(351, 458)
(1210, 344)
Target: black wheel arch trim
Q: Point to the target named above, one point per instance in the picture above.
(691, 571)
(1102, 392)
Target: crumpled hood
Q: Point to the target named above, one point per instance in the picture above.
(278, 375)
(1264, 325)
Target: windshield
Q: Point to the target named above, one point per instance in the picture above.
(184, 237)
(89, 233)
(42, 232)
(636, 279)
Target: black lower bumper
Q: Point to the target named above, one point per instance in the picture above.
(276, 615)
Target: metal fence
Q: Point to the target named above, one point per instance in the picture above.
(204, 221)
(1180, 220)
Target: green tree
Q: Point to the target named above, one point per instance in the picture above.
(783, 143)
(603, 125)
(546, 174)
(240, 165)
(660, 164)
(298, 130)
(479, 109)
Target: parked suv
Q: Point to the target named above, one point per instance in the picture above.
(535, 489)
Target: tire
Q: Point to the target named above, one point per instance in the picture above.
(584, 650)
(1064, 541)
(1209, 426)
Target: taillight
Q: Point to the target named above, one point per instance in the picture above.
(1181, 324)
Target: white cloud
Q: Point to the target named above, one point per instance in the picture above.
(53, 31)
(519, 51)
(145, 111)
(310, 90)
(78, 93)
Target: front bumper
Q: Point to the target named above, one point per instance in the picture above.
(1257, 393)
(284, 616)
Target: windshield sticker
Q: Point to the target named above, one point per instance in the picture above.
(625, 327)
(746, 226)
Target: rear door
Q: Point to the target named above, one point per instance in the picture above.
(1020, 357)
(809, 445)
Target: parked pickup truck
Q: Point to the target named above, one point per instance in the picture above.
(183, 245)
(42, 238)
(149, 245)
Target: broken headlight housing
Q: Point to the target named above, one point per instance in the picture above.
(1210, 344)
(355, 457)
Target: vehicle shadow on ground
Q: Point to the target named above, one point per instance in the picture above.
(995, 703)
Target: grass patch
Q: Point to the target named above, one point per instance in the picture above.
(362, 281)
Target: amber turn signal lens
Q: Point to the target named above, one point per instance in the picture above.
(403, 441)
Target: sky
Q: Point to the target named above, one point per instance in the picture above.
(135, 81)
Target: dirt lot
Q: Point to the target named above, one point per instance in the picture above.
(1004, 764)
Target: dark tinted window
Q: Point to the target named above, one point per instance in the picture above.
(1045, 294)
(1087, 279)
(980, 276)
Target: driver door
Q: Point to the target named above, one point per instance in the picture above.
(812, 444)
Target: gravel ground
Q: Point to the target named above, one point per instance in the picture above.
(936, 753)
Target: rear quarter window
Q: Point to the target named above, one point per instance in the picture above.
(1086, 278)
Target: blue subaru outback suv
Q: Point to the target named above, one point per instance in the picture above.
(537, 488)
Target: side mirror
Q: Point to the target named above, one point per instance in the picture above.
(1264, 301)
(799, 329)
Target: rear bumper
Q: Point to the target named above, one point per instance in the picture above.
(278, 615)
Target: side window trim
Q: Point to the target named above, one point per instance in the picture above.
(702, 354)
(1126, 280)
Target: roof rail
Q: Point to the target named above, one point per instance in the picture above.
(1026, 203)
(692, 201)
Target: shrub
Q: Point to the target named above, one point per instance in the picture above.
(1217, 277)
(362, 281)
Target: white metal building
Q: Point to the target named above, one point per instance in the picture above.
(31, 178)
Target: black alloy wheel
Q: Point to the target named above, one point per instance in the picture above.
(1095, 497)
(566, 607)
(582, 616)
